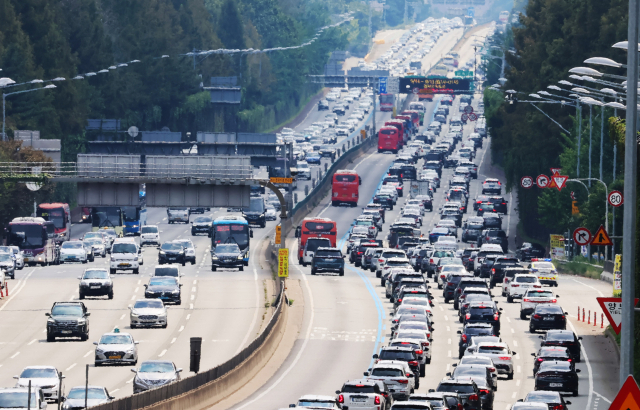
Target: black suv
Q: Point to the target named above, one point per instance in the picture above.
(527, 251)
(494, 236)
(484, 312)
(500, 264)
(564, 338)
(226, 255)
(467, 389)
(323, 105)
(171, 252)
(450, 285)
(499, 204)
(464, 283)
(550, 353)
(470, 330)
(68, 319)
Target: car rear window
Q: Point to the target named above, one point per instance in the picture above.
(560, 336)
(358, 389)
(453, 388)
(492, 349)
(549, 309)
(329, 254)
(397, 355)
(387, 372)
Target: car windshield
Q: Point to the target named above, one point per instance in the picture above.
(561, 366)
(160, 281)
(124, 248)
(157, 367)
(93, 393)
(539, 294)
(72, 245)
(453, 388)
(38, 374)
(148, 304)
(67, 310)
(470, 371)
(115, 340)
(316, 404)
(387, 372)
(171, 246)
(150, 229)
(410, 335)
(227, 248)
(96, 274)
(544, 397)
(329, 254)
(549, 309)
(15, 399)
(5, 257)
(186, 243)
(560, 337)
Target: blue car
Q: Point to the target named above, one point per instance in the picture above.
(327, 260)
(436, 232)
(313, 158)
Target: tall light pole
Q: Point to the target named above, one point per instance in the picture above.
(630, 169)
(4, 97)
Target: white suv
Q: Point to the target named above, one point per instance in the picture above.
(532, 298)
(125, 255)
(520, 285)
(149, 234)
(303, 170)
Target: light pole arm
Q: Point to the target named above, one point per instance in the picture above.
(554, 121)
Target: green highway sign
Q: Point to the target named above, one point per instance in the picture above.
(463, 73)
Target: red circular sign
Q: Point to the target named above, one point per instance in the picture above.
(582, 236)
(473, 117)
(615, 198)
(464, 117)
(468, 109)
(526, 182)
(542, 181)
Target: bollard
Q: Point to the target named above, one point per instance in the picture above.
(295, 197)
(343, 148)
(583, 314)
(6, 285)
(1, 293)
(306, 190)
(595, 318)
(313, 182)
(601, 320)
(326, 166)
(589, 318)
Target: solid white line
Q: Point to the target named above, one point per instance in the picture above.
(162, 353)
(586, 361)
(300, 352)
(71, 367)
(173, 340)
(88, 353)
(32, 342)
(591, 287)
(364, 159)
(255, 313)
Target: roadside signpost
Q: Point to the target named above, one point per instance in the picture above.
(464, 117)
(559, 181)
(601, 238)
(628, 397)
(526, 182)
(283, 263)
(542, 181)
(582, 236)
(382, 85)
(615, 198)
(468, 109)
(473, 116)
(612, 308)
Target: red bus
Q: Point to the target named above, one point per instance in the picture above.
(425, 95)
(389, 139)
(399, 124)
(315, 228)
(60, 215)
(386, 102)
(408, 123)
(344, 187)
(415, 117)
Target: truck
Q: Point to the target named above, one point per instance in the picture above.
(419, 187)
(180, 214)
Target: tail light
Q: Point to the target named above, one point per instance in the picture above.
(492, 369)
(341, 399)
(569, 360)
(493, 271)
(513, 285)
(459, 290)
(537, 286)
(431, 260)
(484, 391)
(554, 300)
(540, 359)
(419, 351)
(464, 338)
(505, 357)
(405, 381)
(377, 400)
(474, 397)
(562, 317)
(399, 300)
(380, 260)
(468, 316)
(424, 344)
(413, 363)
(449, 283)
(536, 316)
(496, 317)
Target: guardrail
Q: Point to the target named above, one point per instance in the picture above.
(161, 397)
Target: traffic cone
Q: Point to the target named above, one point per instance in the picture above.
(589, 318)
(601, 320)
(6, 285)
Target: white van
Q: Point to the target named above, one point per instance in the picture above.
(149, 234)
(311, 246)
(125, 255)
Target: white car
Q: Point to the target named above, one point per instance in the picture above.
(501, 355)
(394, 375)
(545, 271)
(46, 378)
(482, 360)
(148, 313)
(391, 263)
(520, 284)
(19, 257)
(270, 214)
(98, 246)
(532, 298)
(125, 255)
(116, 348)
(73, 251)
(316, 401)
(149, 234)
(416, 301)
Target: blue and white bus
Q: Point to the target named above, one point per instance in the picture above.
(135, 217)
(232, 229)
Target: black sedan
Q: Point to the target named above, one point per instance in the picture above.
(530, 250)
(564, 338)
(499, 204)
(467, 389)
(227, 255)
(166, 288)
(553, 399)
(492, 220)
(385, 200)
(560, 376)
(546, 317)
(485, 207)
(547, 353)
(171, 252)
(470, 330)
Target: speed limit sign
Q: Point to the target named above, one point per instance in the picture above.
(615, 198)
(526, 182)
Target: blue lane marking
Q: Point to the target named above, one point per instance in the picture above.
(381, 313)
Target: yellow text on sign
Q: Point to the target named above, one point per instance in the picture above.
(283, 263)
(278, 234)
(275, 180)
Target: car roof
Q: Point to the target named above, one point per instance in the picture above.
(317, 397)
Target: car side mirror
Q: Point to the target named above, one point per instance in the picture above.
(337, 391)
(579, 337)
(578, 370)
(79, 277)
(375, 356)
(16, 377)
(366, 373)
(520, 400)
(567, 402)
(178, 370)
(47, 314)
(134, 370)
(431, 390)
(513, 353)
(566, 313)
(539, 337)
(145, 286)
(136, 343)
(448, 374)
(111, 397)
(95, 343)
(533, 354)
(459, 332)
(292, 406)
(87, 314)
(251, 233)
(500, 309)
(557, 296)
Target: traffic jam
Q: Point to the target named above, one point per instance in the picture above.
(434, 239)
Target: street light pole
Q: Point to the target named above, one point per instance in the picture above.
(630, 169)
(590, 138)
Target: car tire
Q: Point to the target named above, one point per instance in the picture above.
(81, 296)
(523, 316)
(110, 295)
(84, 337)
(510, 376)
(428, 361)
(446, 300)
(423, 369)
(460, 319)
(84, 261)
(179, 302)
(241, 268)
(133, 326)
(164, 326)
(213, 268)
(136, 271)
(184, 262)
(193, 262)
(112, 271)
(532, 329)
(575, 393)
(509, 299)
(379, 274)
(50, 338)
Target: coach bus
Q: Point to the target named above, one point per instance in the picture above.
(232, 229)
(419, 107)
(315, 228)
(389, 139)
(32, 236)
(386, 102)
(344, 187)
(60, 215)
(107, 217)
(134, 218)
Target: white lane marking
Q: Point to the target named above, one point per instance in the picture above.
(324, 209)
(446, 317)
(133, 297)
(602, 397)
(123, 315)
(193, 296)
(188, 316)
(448, 367)
(88, 353)
(513, 396)
(364, 159)
(512, 331)
(193, 289)
(32, 342)
(582, 283)
(139, 281)
(114, 390)
(515, 343)
(508, 320)
(14, 355)
(586, 361)
(191, 306)
(173, 340)
(441, 309)
(71, 367)
(519, 369)
(448, 329)
(71, 298)
(300, 352)
(448, 341)
(181, 329)
(449, 353)
(255, 313)
(195, 281)
(518, 382)
(162, 353)
(130, 380)
(21, 284)
(136, 291)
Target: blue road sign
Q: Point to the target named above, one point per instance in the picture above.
(471, 11)
(382, 85)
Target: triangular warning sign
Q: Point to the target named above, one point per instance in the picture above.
(559, 181)
(601, 238)
(555, 171)
(628, 397)
(612, 308)
(552, 183)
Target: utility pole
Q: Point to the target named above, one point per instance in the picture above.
(590, 140)
(601, 140)
(579, 109)
(630, 169)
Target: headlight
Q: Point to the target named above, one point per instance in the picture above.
(175, 292)
(134, 314)
(162, 253)
(82, 321)
(99, 351)
(214, 257)
(50, 320)
(135, 259)
(240, 257)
